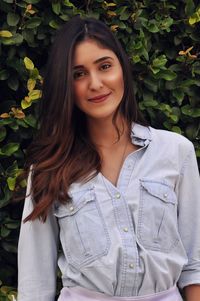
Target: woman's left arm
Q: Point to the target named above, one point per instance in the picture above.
(192, 292)
(188, 192)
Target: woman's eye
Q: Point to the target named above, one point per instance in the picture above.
(105, 66)
(79, 74)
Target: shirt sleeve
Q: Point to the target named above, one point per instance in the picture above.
(189, 218)
(37, 256)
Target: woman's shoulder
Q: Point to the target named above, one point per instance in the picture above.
(171, 140)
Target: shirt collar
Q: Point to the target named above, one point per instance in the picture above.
(140, 135)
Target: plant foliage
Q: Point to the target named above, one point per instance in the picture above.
(163, 42)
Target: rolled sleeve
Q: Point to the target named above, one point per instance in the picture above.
(37, 256)
(189, 218)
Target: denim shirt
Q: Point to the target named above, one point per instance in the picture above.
(139, 237)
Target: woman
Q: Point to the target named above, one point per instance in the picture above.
(120, 196)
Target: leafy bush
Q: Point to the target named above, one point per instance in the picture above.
(162, 40)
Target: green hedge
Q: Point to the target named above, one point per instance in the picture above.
(163, 42)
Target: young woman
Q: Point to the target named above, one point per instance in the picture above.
(122, 199)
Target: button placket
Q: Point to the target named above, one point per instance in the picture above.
(127, 285)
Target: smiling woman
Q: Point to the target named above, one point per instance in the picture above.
(99, 83)
(115, 193)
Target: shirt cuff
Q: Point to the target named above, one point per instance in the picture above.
(190, 275)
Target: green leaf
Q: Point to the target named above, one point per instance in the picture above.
(12, 296)
(54, 24)
(16, 39)
(151, 25)
(13, 83)
(174, 118)
(11, 183)
(166, 23)
(195, 18)
(28, 63)
(25, 104)
(31, 84)
(12, 19)
(12, 224)
(6, 121)
(4, 74)
(33, 22)
(9, 149)
(35, 94)
(152, 28)
(68, 3)
(5, 34)
(160, 61)
(166, 74)
(32, 1)
(34, 74)
(13, 169)
(23, 183)
(191, 131)
(4, 232)
(5, 199)
(21, 123)
(189, 7)
(179, 95)
(28, 35)
(124, 15)
(165, 108)
(56, 7)
(150, 103)
(2, 133)
(31, 120)
(9, 247)
(151, 84)
(189, 111)
(189, 82)
(176, 129)
(136, 59)
(196, 68)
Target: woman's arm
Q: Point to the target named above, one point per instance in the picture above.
(188, 192)
(192, 292)
(37, 256)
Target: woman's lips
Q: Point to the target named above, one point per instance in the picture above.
(99, 98)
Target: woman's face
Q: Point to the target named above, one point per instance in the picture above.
(98, 80)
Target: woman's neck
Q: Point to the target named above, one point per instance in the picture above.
(103, 132)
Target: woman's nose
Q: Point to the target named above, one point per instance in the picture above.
(95, 82)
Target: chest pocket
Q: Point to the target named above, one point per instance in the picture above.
(83, 233)
(157, 220)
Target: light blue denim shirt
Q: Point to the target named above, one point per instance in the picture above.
(140, 237)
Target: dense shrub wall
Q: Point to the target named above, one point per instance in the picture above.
(162, 39)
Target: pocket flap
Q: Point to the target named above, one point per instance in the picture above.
(160, 190)
(78, 200)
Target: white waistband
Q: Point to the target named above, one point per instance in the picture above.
(79, 293)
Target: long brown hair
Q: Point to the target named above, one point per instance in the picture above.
(62, 152)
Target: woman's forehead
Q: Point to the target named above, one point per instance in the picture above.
(91, 51)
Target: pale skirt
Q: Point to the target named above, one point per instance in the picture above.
(82, 294)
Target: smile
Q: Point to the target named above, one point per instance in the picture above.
(99, 98)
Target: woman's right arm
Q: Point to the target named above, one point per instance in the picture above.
(37, 256)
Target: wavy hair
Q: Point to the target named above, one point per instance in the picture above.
(62, 152)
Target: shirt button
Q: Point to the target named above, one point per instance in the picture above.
(71, 208)
(131, 266)
(118, 195)
(165, 195)
(125, 229)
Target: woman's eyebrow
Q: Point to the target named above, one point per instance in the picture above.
(95, 62)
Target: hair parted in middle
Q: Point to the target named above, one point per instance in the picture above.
(62, 153)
